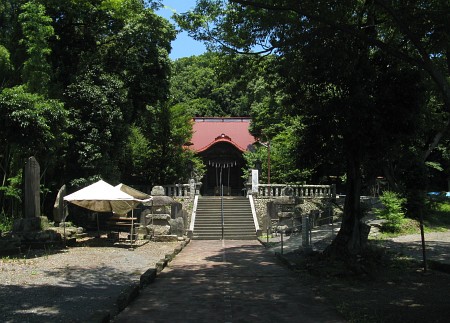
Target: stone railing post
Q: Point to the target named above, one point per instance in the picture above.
(306, 239)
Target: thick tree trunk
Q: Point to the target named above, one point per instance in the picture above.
(352, 236)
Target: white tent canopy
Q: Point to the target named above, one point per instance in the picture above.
(133, 192)
(103, 197)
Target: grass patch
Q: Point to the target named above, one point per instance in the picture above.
(436, 219)
(409, 226)
(438, 216)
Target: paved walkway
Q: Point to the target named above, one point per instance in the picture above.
(226, 281)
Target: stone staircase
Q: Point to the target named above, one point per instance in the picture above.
(238, 219)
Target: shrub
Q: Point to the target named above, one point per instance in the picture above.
(392, 211)
(6, 222)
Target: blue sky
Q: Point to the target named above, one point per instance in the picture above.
(184, 45)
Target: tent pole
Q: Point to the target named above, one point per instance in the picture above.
(153, 226)
(64, 226)
(132, 227)
(98, 226)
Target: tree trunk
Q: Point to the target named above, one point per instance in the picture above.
(352, 236)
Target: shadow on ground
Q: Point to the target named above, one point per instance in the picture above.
(77, 294)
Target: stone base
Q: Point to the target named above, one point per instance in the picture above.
(9, 246)
(27, 224)
(10, 252)
(165, 238)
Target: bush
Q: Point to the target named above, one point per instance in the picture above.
(392, 211)
(6, 222)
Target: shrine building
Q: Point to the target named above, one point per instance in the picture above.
(221, 142)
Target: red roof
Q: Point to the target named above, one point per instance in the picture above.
(209, 131)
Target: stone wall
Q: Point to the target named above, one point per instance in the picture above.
(261, 212)
(320, 207)
(186, 209)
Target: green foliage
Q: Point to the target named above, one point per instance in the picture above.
(438, 214)
(392, 211)
(37, 29)
(283, 156)
(105, 61)
(97, 102)
(6, 67)
(156, 146)
(215, 85)
(6, 222)
(199, 168)
(13, 190)
(31, 121)
(11, 197)
(139, 147)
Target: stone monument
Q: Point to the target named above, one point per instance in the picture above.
(59, 211)
(32, 229)
(32, 176)
(157, 220)
(31, 220)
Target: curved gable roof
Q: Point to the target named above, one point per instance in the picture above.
(209, 131)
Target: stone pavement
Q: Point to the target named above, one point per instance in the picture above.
(226, 281)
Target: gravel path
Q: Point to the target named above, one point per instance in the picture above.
(70, 285)
(437, 243)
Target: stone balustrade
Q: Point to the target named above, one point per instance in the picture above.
(305, 191)
(182, 190)
(264, 190)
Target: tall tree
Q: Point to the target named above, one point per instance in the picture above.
(37, 29)
(106, 60)
(412, 32)
(30, 125)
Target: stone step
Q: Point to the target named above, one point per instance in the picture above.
(225, 216)
(225, 238)
(237, 215)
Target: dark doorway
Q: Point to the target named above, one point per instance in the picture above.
(224, 164)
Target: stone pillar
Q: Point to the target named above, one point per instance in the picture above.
(305, 234)
(255, 181)
(32, 200)
(191, 188)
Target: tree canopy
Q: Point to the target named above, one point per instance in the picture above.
(77, 80)
(359, 73)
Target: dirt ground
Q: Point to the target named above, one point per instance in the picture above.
(386, 287)
(72, 284)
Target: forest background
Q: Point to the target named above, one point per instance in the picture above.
(357, 92)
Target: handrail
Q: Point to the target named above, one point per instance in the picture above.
(255, 217)
(194, 213)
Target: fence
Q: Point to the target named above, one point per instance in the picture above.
(264, 190)
(182, 190)
(305, 191)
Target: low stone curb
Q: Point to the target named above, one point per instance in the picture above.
(129, 293)
(286, 262)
